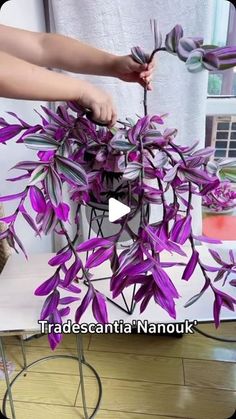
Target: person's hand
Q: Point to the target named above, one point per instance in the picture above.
(127, 69)
(100, 103)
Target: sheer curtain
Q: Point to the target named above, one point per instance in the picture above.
(118, 25)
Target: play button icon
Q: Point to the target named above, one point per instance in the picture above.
(116, 210)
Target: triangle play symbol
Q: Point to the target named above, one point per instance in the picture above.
(116, 210)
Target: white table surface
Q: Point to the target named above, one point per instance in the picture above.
(20, 308)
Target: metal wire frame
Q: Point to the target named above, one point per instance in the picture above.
(80, 358)
(98, 220)
(210, 336)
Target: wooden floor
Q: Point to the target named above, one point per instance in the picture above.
(143, 377)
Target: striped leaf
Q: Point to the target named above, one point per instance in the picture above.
(41, 142)
(54, 187)
(72, 171)
(38, 175)
(132, 170)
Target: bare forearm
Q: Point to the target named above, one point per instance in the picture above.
(73, 55)
(56, 51)
(22, 80)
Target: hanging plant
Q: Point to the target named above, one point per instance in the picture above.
(72, 150)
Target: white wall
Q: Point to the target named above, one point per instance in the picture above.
(25, 14)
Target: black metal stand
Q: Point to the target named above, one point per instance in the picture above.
(97, 220)
(79, 358)
(219, 338)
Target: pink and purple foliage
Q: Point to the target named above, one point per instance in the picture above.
(72, 150)
(222, 198)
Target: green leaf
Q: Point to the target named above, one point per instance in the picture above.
(72, 171)
(228, 173)
(41, 142)
(38, 175)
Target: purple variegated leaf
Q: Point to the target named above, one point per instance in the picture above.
(50, 304)
(132, 170)
(194, 61)
(209, 187)
(181, 230)
(197, 296)
(54, 187)
(210, 268)
(221, 58)
(38, 175)
(53, 341)
(4, 234)
(72, 171)
(139, 55)
(231, 256)
(19, 242)
(46, 156)
(26, 165)
(12, 197)
(68, 300)
(98, 257)
(139, 128)
(163, 281)
(70, 287)
(233, 282)
(198, 176)
(145, 302)
(22, 177)
(37, 199)
(173, 37)
(30, 221)
(191, 265)
(170, 175)
(64, 311)
(165, 301)
(60, 258)
(139, 268)
(157, 119)
(99, 308)
(8, 219)
(220, 275)
(216, 256)
(84, 303)
(185, 46)
(93, 243)
(55, 117)
(49, 285)
(50, 220)
(206, 239)
(72, 272)
(41, 142)
(221, 299)
(23, 123)
(174, 247)
(120, 143)
(62, 211)
(31, 130)
(156, 33)
(142, 291)
(7, 133)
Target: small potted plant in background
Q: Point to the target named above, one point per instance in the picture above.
(73, 151)
(221, 200)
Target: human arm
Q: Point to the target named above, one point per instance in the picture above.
(59, 51)
(22, 80)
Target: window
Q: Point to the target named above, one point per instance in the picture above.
(221, 100)
(224, 33)
(223, 136)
